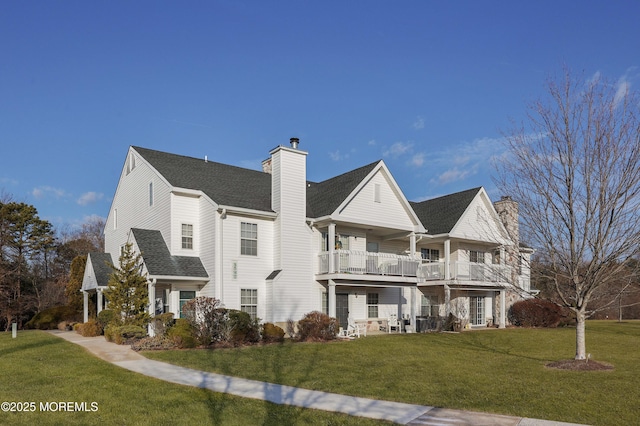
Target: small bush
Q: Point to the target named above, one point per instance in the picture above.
(244, 329)
(49, 319)
(210, 324)
(161, 323)
(316, 326)
(153, 344)
(181, 334)
(536, 313)
(272, 333)
(106, 317)
(124, 334)
(90, 328)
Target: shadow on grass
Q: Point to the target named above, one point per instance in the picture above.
(17, 345)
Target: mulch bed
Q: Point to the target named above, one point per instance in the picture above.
(579, 365)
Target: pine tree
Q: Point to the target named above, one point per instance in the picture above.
(127, 290)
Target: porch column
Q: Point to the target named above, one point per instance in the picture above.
(152, 305)
(85, 297)
(331, 237)
(447, 260)
(414, 299)
(503, 322)
(332, 299)
(100, 299)
(447, 300)
(502, 255)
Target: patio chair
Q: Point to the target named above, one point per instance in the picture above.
(355, 329)
(393, 322)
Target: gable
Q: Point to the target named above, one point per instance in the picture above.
(97, 271)
(377, 200)
(440, 215)
(480, 222)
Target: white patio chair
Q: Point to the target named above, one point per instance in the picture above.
(393, 322)
(355, 329)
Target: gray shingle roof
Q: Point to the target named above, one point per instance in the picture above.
(101, 263)
(159, 260)
(440, 215)
(323, 198)
(234, 186)
(226, 185)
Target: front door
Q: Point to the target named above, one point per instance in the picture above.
(342, 309)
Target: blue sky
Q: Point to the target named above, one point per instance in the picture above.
(429, 87)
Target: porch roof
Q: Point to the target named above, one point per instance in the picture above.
(101, 263)
(159, 261)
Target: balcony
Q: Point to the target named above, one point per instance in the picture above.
(368, 263)
(465, 271)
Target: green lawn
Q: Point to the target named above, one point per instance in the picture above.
(499, 371)
(38, 367)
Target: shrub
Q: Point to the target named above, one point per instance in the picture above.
(161, 323)
(210, 323)
(244, 329)
(106, 317)
(536, 313)
(153, 344)
(90, 328)
(49, 319)
(181, 334)
(272, 333)
(316, 326)
(124, 334)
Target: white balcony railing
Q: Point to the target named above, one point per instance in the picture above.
(368, 263)
(466, 271)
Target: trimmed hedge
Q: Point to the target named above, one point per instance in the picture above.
(537, 313)
(49, 319)
(316, 326)
(272, 333)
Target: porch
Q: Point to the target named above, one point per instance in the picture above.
(464, 271)
(367, 263)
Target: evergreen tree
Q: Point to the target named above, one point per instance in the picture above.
(127, 291)
(72, 290)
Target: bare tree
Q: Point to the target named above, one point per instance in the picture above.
(575, 171)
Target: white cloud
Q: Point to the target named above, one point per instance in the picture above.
(417, 160)
(89, 198)
(419, 123)
(451, 175)
(623, 87)
(372, 142)
(338, 156)
(42, 191)
(398, 149)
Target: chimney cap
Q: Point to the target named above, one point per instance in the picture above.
(294, 142)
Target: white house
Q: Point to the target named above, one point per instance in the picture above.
(277, 246)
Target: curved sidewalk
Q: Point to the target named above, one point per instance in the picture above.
(397, 412)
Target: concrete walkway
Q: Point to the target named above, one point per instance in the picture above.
(397, 412)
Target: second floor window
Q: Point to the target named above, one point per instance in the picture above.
(187, 236)
(476, 256)
(430, 254)
(249, 239)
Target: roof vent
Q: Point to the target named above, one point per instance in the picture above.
(294, 142)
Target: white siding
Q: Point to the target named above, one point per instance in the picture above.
(391, 210)
(207, 247)
(479, 223)
(132, 203)
(184, 210)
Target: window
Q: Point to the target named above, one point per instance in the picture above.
(432, 255)
(341, 242)
(477, 311)
(429, 306)
(185, 296)
(476, 256)
(249, 301)
(376, 193)
(187, 236)
(325, 303)
(150, 194)
(249, 239)
(372, 305)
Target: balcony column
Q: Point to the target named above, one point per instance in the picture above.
(503, 322)
(447, 260)
(331, 299)
(414, 300)
(331, 242)
(412, 245)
